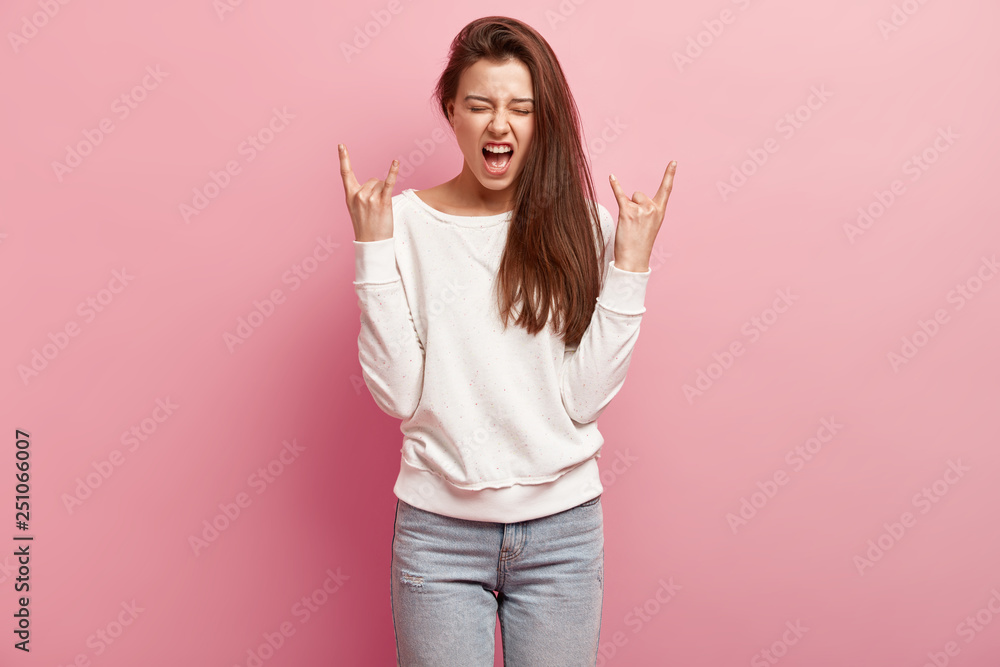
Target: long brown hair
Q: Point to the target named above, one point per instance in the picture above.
(554, 254)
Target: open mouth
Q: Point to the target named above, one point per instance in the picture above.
(497, 163)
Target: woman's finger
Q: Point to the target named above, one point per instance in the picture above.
(351, 184)
(616, 187)
(663, 194)
(390, 181)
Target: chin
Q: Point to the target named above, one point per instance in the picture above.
(499, 182)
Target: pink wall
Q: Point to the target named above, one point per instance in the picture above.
(888, 331)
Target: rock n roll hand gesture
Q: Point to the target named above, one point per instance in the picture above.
(639, 220)
(370, 205)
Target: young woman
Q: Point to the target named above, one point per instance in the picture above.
(499, 494)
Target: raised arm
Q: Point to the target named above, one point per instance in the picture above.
(594, 371)
(390, 351)
(389, 348)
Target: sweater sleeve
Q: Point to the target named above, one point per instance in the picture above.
(389, 348)
(594, 371)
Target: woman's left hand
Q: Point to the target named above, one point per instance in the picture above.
(639, 220)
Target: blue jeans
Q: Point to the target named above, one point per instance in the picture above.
(452, 577)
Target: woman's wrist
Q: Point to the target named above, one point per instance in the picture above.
(633, 265)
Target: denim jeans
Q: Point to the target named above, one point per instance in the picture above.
(451, 578)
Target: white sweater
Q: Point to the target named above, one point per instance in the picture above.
(497, 425)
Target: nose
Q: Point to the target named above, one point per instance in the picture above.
(499, 123)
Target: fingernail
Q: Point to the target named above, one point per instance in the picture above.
(613, 177)
(340, 147)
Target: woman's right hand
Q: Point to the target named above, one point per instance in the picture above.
(370, 205)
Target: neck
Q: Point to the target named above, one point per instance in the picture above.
(470, 194)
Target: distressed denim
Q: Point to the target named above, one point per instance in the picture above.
(452, 578)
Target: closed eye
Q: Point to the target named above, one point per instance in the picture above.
(524, 112)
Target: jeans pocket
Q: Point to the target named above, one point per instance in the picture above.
(591, 502)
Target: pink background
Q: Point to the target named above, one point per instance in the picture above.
(719, 262)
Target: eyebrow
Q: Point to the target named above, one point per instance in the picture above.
(486, 99)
